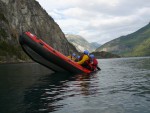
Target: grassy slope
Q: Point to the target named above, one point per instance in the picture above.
(135, 44)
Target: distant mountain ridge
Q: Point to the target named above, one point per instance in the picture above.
(95, 45)
(81, 44)
(134, 44)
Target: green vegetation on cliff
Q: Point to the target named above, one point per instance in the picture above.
(104, 54)
(135, 44)
(11, 53)
(141, 50)
(3, 18)
(19, 16)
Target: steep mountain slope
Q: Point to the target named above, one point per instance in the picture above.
(95, 45)
(80, 43)
(135, 44)
(18, 16)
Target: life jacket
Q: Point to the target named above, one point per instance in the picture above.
(83, 59)
(95, 62)
(92, 65)
(72, 58)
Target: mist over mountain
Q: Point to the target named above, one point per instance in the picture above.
(95, 44)
(134, 44)
(81, 44)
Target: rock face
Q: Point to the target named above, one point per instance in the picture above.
(18, 16)
(95, 45)
(80, 43)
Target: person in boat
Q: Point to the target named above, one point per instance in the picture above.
(72, 57)
(93, 63)
(77, 59)
(84, 59)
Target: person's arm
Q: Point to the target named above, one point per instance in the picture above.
(85, 57)
(96, 64)
(69, 57)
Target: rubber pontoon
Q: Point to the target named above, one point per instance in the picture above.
(44, 54)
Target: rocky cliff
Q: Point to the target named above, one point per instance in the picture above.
(95, 45)
(80, 43)
(18, 16)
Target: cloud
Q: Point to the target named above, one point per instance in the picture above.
(99, 20)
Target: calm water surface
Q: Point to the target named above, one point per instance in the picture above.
(122, 86)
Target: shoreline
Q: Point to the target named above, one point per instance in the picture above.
(23, 62)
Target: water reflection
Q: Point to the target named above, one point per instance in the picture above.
(43, 95)
(87, 84)
(53, 90)
(122, 86)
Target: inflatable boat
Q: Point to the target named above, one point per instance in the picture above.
(41, 52)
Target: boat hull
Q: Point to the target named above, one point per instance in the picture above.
(44, 54)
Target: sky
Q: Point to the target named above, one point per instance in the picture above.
(98, 20)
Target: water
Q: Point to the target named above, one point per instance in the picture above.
(122, 86)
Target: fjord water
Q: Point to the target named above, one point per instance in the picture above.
(122, 86)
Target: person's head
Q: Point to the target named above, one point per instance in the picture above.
(92, 56)
(86, 52)
(73, 54)
(78, 57)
